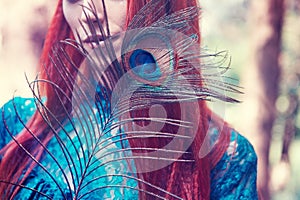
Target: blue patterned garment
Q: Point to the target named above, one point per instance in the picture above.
(234, 177)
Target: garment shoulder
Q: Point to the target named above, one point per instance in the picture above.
(234, 177)
(14, 114)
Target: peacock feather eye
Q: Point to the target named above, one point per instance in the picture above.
(144, 65)
(148, 55)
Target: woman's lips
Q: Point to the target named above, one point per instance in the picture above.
(96, 40)
(100, 38)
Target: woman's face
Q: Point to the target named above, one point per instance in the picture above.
(76, 18)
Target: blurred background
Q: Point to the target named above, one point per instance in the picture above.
(263, 41)
(23, 25)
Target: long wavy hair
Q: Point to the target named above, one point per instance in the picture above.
(187, 180)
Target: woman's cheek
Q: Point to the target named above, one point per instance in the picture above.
(72, 14)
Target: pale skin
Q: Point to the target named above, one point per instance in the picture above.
(76, 18)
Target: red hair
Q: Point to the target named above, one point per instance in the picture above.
(187, 180)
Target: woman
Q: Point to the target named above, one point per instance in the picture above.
(122, 115)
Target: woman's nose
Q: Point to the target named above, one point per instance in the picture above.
(92, 11)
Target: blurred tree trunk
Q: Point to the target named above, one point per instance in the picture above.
(262, 82)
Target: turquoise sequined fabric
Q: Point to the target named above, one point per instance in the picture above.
(234, 177)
